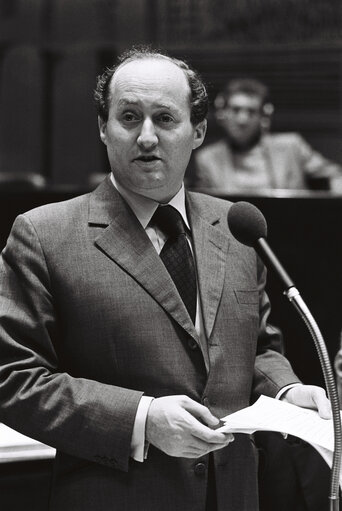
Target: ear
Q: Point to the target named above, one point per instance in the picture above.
(102, 129)
(200, 131)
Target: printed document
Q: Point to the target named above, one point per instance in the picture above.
(268, 414)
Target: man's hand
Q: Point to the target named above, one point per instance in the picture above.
(178, 426)
(309, 396)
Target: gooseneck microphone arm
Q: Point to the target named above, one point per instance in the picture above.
(294, 297)
(248, 226)
(271, 261)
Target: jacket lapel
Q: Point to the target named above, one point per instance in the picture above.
(124, 240)
(211, 247)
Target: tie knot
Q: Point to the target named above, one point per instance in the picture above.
(169, 220)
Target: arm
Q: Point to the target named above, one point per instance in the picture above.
(82, 417)
(315, 165)
(272, 370)
(273, 373)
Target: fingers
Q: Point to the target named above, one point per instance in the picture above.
(200, 412)
(201, 431)
(177, 426)
(310, 396)
(200, 448)
(210, 436)
(322, 403)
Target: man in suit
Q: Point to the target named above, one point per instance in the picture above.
(248, 157)
(102, 354)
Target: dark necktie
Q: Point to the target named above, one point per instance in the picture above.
(177, 256)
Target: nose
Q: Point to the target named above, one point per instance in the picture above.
(147, 138)
(243, 117)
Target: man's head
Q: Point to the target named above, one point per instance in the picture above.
(152, 111)
(243, 109)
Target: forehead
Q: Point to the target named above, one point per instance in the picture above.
(150, 80)
(244, 100)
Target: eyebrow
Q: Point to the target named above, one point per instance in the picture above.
(126, 102)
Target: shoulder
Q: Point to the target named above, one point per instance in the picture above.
(210, 149)
(211, 209)
(58, 212)
(210, 204)
(210, 216)
(53, 223)
(284, 140)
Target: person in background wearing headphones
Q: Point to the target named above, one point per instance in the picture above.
(249, 157)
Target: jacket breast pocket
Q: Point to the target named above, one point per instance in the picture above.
(247, 303)
(247, 296)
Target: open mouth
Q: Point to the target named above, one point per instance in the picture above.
(147, 158)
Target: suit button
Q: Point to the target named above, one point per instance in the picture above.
(200, 468)
(192, 344)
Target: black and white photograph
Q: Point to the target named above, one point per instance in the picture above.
(170, 255)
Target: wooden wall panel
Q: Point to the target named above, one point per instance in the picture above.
(23, 110)
(76, 150)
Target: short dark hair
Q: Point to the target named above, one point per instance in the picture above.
(198, 96)
(249, 86)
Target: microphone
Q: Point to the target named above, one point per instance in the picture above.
(249, 227)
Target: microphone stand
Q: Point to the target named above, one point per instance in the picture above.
(294, 297)
(249, 227)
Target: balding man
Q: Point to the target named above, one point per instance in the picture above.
(131, 320)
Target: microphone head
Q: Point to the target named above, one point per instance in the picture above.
(247, 223)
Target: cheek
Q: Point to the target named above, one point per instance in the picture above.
(182, 143)
(230, 125)
(184, 148)
(117, 138)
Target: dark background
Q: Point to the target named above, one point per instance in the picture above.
(52, 50)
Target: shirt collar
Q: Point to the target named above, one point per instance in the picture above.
(144, 208)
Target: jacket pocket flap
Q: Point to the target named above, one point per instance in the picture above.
(247, 296)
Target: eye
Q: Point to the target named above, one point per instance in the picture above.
(130, 117)
(166, 118)
(252, 112)
(235, 110)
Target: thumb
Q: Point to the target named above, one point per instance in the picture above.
(322, 403)
(310, 396)
(202, 413)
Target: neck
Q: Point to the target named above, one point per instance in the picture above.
(241, 147)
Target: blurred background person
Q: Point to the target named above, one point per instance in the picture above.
(249, 156)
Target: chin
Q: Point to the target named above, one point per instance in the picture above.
(160, 194)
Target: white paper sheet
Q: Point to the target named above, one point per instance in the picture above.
(17, 447)
(269, 414)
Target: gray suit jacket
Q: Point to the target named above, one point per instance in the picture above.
(289, 161)
(90, 320)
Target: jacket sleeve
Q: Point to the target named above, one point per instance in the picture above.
(81, 417)
(272, 370)
(314, 165)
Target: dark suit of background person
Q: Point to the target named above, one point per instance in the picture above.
(91, 320)
(249, 157)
